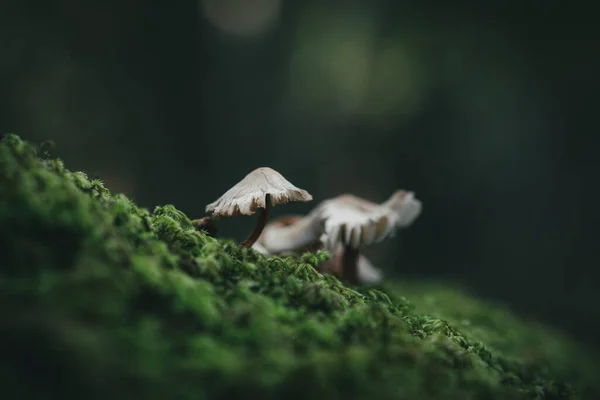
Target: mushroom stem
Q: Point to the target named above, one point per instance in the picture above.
(350, 264)
(206, 224)
(260, 225)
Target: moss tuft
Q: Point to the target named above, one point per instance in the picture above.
(103, 299)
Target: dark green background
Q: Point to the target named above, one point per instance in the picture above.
(488, 112)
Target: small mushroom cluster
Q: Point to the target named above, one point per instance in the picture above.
(342, 225)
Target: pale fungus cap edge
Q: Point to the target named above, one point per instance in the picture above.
(245, 197)
(406, 206)
(356, 222)
(304, 231)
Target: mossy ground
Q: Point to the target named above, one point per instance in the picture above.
(102, 299)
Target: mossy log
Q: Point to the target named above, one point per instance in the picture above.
(102, 299)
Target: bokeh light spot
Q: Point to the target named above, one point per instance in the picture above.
(246, 18)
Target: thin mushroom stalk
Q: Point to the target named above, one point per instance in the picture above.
(349, 256)
(206, 224)
(260, 225)
(350, 264)
(366, 272)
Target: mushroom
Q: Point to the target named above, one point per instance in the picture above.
(353, 223)
(343, 225)
(304, 241)
(406, 206)
(366, 271)
(262, 188)
(290, 234)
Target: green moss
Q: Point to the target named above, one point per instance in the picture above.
(102, 299)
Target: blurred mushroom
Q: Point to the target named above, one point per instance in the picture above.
(366, 271)
(290, 234)
(297, 239)
(262, 188)
(406, 206)
(260, 248)
(343, 225)
(354, 223)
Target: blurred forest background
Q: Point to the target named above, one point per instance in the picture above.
(488, 113)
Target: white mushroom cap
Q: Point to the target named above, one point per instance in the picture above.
(297, 232)
(249, 194)
(355, 221)
(344, 219)
(260, 248)
(406, 206)
(359, 222)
